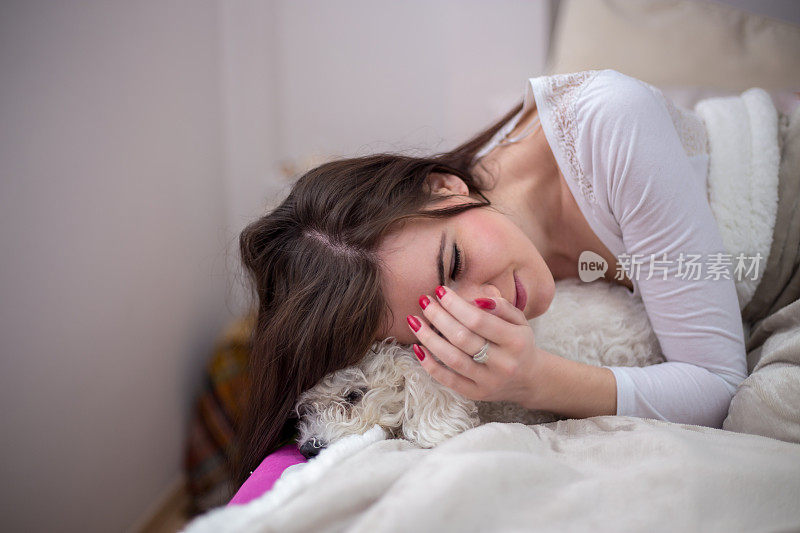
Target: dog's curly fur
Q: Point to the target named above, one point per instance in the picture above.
(597, 323)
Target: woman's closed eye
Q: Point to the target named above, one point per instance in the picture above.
(458, 268)
(458, 263)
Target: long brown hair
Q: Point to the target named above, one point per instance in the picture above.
(316, 277)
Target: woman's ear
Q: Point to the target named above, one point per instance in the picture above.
(446, 184)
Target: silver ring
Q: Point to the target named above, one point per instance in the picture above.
(483, 355)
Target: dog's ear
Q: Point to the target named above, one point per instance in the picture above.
(433, 412)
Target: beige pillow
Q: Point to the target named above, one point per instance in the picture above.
(768, 402)
(678, 43)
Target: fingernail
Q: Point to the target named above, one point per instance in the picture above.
(485, 303)
(440, 292)
(413, 322)
(419, 352)
(424, 301)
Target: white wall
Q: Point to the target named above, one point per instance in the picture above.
(401, 74)
(250, 129)
(112, 281)
(136, 140)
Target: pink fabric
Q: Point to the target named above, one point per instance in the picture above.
(264, 477)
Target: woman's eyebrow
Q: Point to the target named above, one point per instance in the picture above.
(440, 260)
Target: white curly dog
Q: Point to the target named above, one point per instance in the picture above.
(597, 323)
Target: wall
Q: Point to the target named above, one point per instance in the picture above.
(113, 278)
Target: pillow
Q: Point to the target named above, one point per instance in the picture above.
(678, 43)
(264, 477)
(766, 403)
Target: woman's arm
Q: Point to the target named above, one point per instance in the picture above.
(635, 157)
(572, 389)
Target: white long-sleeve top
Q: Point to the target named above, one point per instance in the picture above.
(637, 167)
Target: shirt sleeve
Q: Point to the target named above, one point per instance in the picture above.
(661, 206)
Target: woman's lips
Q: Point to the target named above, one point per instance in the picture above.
(521, 297)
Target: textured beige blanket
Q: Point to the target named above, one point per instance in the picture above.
(604, 473)
(768, 401)
(780, 284)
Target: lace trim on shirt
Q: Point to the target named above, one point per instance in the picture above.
(691, 130)
(689, 127)
(563, 90)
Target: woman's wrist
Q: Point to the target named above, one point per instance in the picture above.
(572, 389)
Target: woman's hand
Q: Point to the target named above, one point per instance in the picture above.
(510, 372)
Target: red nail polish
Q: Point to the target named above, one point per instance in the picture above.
(419, 352)
(440, 291)
(413, 322)
(485, 303)
(424, 301)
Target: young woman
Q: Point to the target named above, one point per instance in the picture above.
(456, 252)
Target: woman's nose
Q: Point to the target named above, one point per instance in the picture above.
(494, 293)
(476, 290)
(486, 291)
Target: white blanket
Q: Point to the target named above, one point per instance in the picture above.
(744, 159)
(607, 473)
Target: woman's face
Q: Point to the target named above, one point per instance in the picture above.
(491, 251)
